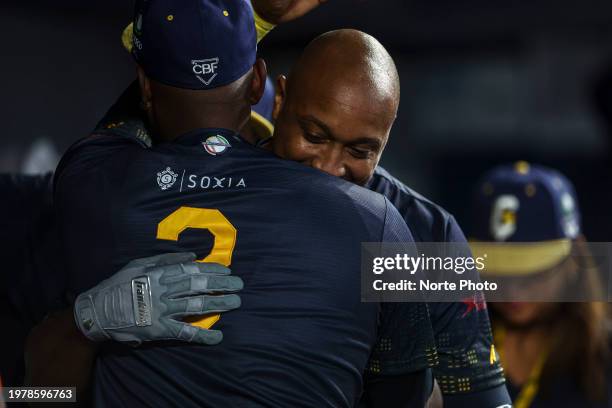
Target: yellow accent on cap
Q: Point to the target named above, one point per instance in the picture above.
(261, 25)
(521, 167)
(113, 125)
(170, 17)
(127, 37)
(520, 258)
(530, 190)
(492, 355)
(262, 127)
(508, 217)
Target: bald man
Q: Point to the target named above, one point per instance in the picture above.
(336, 110)
(335, 113)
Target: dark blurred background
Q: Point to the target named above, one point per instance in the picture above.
(483, 82)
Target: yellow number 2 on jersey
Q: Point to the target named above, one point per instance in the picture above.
(202, 218)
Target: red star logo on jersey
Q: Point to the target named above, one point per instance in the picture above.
(476, 302)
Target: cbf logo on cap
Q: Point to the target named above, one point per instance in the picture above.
(194, 44)
(205, 70)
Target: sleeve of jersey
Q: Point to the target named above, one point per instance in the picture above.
(405, 341)
(86, 182)
(467, 367)
(496, 397)
(395, 228)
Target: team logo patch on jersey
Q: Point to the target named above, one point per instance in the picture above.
(166, 178)
(215, 145)
(205, 69)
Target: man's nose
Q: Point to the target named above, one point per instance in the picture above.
(330, 161)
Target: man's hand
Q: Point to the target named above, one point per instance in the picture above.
(282, 11)
(146, 300)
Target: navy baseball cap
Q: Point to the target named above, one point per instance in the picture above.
(194, 44)
(525, 218)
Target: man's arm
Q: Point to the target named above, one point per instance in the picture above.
(57, 354)
(268, 14)
(61, 350)
(401, 391)
(398, 373)
(462, 328)
(282, 11)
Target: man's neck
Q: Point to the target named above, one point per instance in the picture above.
(172, 134)
(171, 125)
(522, 350)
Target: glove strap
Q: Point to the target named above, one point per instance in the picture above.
(86, 319)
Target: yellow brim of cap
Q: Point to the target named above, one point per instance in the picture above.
(262, 127)
(126, 37)
(520, 259)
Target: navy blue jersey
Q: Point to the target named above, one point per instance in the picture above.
(302, 337)
(466, 363)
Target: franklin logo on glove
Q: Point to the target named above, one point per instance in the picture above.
(150, 298)
(142, 301)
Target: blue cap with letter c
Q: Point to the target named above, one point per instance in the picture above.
(525, 219)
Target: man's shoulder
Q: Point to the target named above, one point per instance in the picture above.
(339, 197)
(126, 119)
(122, 126)
(428, 221)
(384, 183)
(313, 185)
(306, 192)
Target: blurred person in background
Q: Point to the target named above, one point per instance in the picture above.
(526, 219)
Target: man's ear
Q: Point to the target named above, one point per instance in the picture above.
(145, 90)
(279, 96)
(258, 83)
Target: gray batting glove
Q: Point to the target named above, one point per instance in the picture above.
(146, 300)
